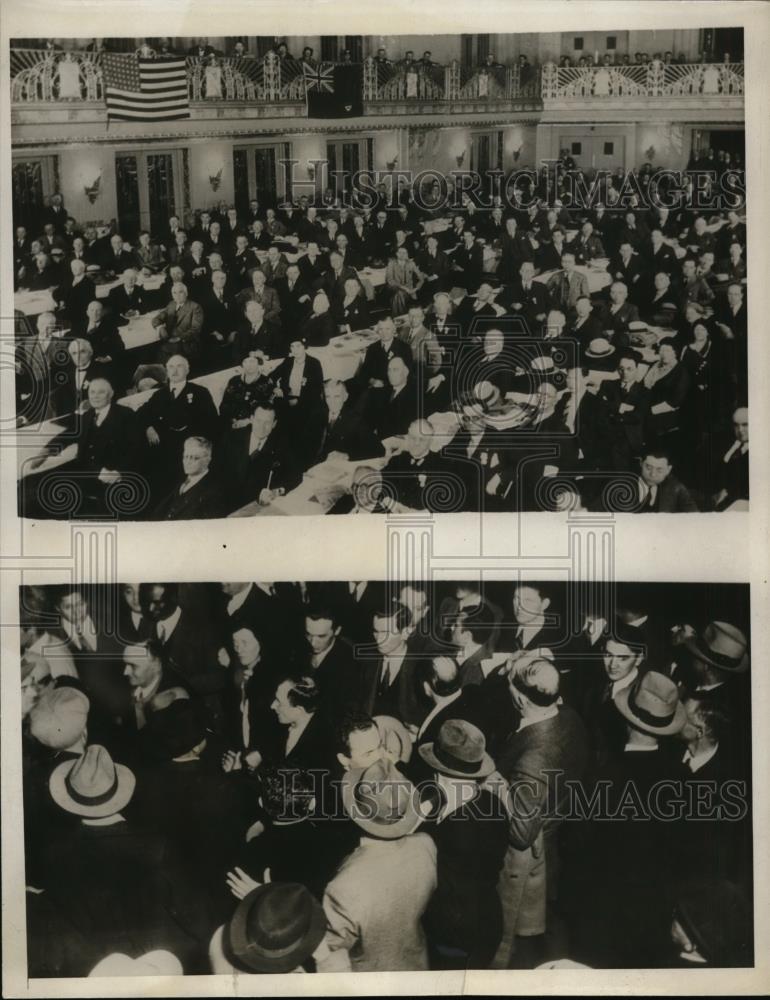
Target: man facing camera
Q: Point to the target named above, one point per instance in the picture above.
(199, 495)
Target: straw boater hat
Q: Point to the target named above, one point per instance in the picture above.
(721, 645)
(459, 751)
(599, 347)
(92, 786)
(652, 704)
(381, 801)
(275, 928)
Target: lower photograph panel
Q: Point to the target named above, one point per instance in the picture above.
(386, 776)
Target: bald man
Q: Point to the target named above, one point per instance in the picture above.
(420, 477)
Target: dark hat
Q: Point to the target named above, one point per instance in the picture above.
(721, 645)
(652, 704)
(716, 916)
(381, 800)
(275, 928)
(175, 729)
(92, 786)
(628, 635)
(459, 751)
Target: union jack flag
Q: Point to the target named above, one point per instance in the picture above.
(320, 78)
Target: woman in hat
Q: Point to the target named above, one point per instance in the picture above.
(669, 384)
(469, 825)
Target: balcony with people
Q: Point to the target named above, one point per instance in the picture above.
(55, 83)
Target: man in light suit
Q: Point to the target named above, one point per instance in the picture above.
(375, 902)
(550, 738)
(180, 326)
(568, 285)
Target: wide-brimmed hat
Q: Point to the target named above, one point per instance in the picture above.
(152, 963)
(275, 928)
(599, 347)
(92, 786)
(381, 801)
(721, 645)
(459, 751)
(395, 737)
(59, 717)
(652, 704)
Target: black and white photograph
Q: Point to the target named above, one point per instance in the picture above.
(276, 777)
(377, 274)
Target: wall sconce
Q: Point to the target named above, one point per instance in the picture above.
(649, 153)
(216, 179)
(391, 164)
(311, 171)
(460, 159)
(517, 153)
(92, 191)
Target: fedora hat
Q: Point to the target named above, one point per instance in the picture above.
(721, 645)
(459, 751)
(92, 786)
(59, 717)
(176, 729)
(395, 737)
(381, 801)
(275, 928)
(652, 704)
(599, 347)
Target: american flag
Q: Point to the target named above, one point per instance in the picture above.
(140, 89)
(320, 78)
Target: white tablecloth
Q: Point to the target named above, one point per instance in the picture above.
(34, 303)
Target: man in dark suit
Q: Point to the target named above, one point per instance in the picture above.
(221, 320)
(617, 315)
(416, 474)
(587, 246)
(328, 658)
(242, 263)
(468, 262)
(660, 492)
(660, 256)
(731, 483)
(434, 265)
(116, 883)
(115, 258)
(70, 391)
(176, 411)
(526, 298)
(626, 410)
(102, 334)
(295, 296)
(397, 407)
(258, 461)
(373, 373)
(586, 325)
(342, 430)
(333, 280)
(133, 627)
(389, 677)
(450, 699)
(187, 642)
(127, 298)
(199, 495)
(75, 295)
(550, 738)
(628, 266)
(255, 335)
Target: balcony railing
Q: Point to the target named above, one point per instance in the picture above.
(654, 79)
(273, 85)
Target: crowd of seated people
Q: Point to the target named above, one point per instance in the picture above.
(270, 777)
(525, 358)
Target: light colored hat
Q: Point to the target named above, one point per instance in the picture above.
(652, 704)
(381, 801)
(153, 963)
(395, 737)
(92, 786)
(599, 347)
(59, 718)
(722, 645)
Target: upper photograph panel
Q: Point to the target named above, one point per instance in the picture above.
(312, 275)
